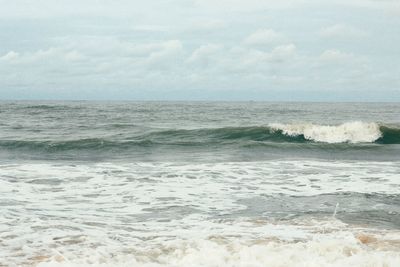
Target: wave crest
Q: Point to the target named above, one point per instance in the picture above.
(349, 132)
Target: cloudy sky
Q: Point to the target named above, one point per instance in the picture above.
(336, 50)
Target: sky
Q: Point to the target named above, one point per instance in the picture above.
(288, 50)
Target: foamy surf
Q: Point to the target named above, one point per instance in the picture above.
(199, 184)
(267, 213)
(322, 246)
(349, 132)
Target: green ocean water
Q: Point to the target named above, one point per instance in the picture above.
(199, 184)
(148, 131)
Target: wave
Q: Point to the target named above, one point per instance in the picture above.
(350, 132)
(333, 249)
(346, 134)
(79, 144)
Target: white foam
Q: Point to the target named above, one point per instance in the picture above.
(327, 250)
(106, 212)
(351, 132)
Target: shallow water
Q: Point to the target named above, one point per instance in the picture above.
(199, 184)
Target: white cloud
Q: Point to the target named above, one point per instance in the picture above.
(121, 59)
(176, 43)
(249, 60)
(204, 54)
(264, 37)
(52, 54)
(74, 56)
(32, 57)
(10, 56)
(168, 51)
(336, 56)
(283, 52)
(342, 31)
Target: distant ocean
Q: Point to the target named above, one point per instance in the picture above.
(199, 184)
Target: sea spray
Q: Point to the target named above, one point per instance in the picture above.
(350, 132)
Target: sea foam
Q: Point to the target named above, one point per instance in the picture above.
(332, 250)
(191, 214)
(350, 132)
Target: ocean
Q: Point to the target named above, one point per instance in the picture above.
(199, 184)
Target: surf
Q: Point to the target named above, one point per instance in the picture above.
(349, 132)
(345, 135)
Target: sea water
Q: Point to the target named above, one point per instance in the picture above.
(199, 184)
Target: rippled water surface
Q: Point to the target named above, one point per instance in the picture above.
(199, 184)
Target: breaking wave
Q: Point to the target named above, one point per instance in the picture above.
(362, 251)
(276, 133)
(350, 132)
